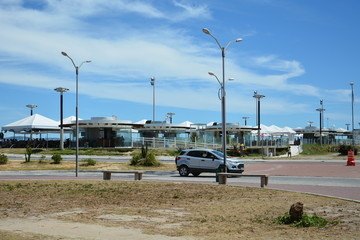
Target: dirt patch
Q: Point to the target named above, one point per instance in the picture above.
(144, 210)
(57, 229)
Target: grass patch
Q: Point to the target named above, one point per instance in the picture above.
(317, 149)
(20, 165)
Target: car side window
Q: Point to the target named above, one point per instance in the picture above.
(194, 153)
(211, 156)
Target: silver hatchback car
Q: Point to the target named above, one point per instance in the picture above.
(196, 161)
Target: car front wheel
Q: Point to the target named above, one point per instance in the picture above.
(184, 171)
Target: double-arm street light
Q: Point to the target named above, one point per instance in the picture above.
(321, 110)
(77, 109)
(31, 106)
(223, 101)
(222, 96)
(258, 97)
(61, 90)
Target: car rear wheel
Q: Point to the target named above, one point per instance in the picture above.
(184, 171)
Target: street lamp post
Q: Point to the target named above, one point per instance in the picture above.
(258, 97)
(223, 126)
(77, 109)
(152, 82)
(321, 110)
(61, 90)
(352, 114)
(170, 114)
(245, 118)
(223, 102)
(31, 106)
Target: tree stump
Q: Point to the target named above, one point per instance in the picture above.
(296, 212)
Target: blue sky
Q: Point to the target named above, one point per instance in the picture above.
(293, 52)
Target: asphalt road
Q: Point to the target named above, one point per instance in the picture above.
(322, 177)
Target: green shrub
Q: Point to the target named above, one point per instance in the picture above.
(3, 159)
(135, 160)
(343, 149)
(144, 158)
(88, 162)
(56, 158)
(150, 160)
(306, 221)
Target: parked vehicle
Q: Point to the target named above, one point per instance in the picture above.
(196, 161)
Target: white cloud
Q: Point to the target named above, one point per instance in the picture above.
(123, 63)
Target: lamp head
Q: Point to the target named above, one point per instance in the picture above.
(206, 31)
(238, 40)
(64, 53)
(231, 79)
(211, 74)
(88, 61)
(351, 84)
(61, 89)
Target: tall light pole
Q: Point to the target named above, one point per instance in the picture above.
(61, 90)
(77, 109)
(352, 114)
(245, 118)
(258, 97)
(31, 106)
(321, 110)
(223, 102)
(152, 82)
(170, 114)
(223, 125)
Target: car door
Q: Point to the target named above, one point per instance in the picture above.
(194, 158)
(209, 161)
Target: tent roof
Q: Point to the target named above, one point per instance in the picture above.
(35, 122)
(274, 130)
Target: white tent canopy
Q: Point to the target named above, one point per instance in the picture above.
(69, 120)
(34, 123)
(273, 130)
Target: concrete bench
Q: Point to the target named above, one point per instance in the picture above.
(264, 179)
(107, 174)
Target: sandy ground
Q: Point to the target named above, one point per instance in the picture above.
(53, 228)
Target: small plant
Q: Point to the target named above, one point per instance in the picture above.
(306, 221)
(150, 160)
(144, 158)
(3, 159)
(88, 162)
(56, 158)
(28, 153)
(42, 159)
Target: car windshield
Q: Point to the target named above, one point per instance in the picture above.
(220, 154)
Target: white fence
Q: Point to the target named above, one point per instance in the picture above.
(171, 143)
